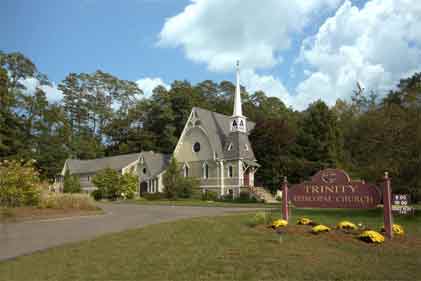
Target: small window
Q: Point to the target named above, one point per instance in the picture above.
(144, 170)
(246, 147)
(196, 147)
(230, 171)
(89, 178)
(205, 171)
(186, 171)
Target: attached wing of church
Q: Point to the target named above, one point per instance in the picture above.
(213, 148)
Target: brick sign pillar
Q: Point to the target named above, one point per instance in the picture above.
(285, 214)
(387, 206)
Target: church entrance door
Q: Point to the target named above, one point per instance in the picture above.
(247, 178)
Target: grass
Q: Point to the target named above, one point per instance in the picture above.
(19, 214)
(227, 248)
(201, 203)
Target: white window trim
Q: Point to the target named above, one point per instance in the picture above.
(230, 146)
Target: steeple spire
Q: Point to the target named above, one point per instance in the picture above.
(237, 98)
(238, 120)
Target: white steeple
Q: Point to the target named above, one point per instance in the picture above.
(237, 98)
(238, 121)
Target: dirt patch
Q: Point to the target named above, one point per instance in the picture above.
(11, 215)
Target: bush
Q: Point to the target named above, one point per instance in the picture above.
(185, 187)
(107, 181)
(71, 183)
(66, 201)
(371, 236)
(97, 194)
(172, 179)
(320, 229)
(209, 195)
(244, 197)
(19, 184)
(154, 196)
(128, 185)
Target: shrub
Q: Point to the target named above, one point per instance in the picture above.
(128, 185)
(346, 225)
(320, 229)
(279, 223)
(209, 195)
(97, 194)
(171, 179)
(371, 236)
(304, 221)
(107, 181)
(397, 229)
(154, 196)
(66, 201)
(71, 183)
(185, 187)
(19, 184)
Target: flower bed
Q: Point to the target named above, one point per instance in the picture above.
(371, 236)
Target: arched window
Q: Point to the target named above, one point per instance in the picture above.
(185, 170)
(246, 147)
(196, 147)
(205, 170)
(230, 171)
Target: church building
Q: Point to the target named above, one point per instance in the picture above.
(213, 148)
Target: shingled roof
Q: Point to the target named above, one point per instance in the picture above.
(77, 166)
(217, 127)
(156, 162)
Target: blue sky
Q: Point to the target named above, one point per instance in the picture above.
(330, 45)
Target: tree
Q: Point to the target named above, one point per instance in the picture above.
(171, 179)
(71, 183)
(272, 140)
(128, 185)
(319, 138)
(108, 183)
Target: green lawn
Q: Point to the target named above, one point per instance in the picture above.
(227, 248)
(201, 203)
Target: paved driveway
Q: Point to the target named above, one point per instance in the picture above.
(26, 237)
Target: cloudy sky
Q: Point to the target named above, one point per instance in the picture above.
(299, 51)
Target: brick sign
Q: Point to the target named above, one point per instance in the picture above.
(332, 188)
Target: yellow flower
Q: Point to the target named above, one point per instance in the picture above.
(279, 223)
(371, 236)
(397, 229)
(346, 225)
(304, 221)
(320, 228)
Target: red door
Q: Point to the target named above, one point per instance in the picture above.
(247, 178)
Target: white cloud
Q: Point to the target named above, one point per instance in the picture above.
(266, 83)
(218, 32)
(52, 92)
(376, 45)
(148, 84)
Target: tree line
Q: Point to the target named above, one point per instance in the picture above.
(103, 115)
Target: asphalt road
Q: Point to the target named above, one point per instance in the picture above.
(26, 237)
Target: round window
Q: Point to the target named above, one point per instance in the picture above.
(196, 147)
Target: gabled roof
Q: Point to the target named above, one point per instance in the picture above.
(217, 127)
(77, 166)
(156, 162)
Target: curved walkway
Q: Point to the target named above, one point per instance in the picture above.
(26, 237)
